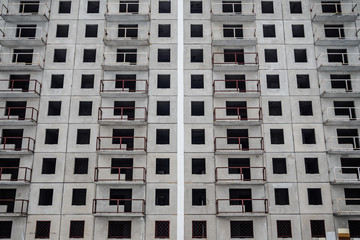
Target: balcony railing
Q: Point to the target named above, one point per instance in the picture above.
(122, 114)
(337, 36)
(21, 61)
(17, 144)
(344, 144)
(125, 61)
(240, 87)
(233, 11)
(333, 11)
(120, 174)
(240, 174)
(239, 144)
(19, 114)
(133, 36)
(124, 144)
(119, 207)
(37, 12)
(13, 206)
(122, 87)
(345, 175)
(127, 12)
(242, 36)
(15, 174)
(231, 60)
(341, 115)
(338, 61)
(238, 207)
(340, 87)
(347, 206)
(14, 36)
(238, 114)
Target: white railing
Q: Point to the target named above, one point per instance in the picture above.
(348, 206)
(247, 33)
(348, 113)
(233, 8)
(345, 174)
(22, 9)
(111, 58)
(127, 8)
(113, 33)
(13, 59)
(339, 8)
(16, 33)
(338, 59)
(340, 33)
(350, 85)
(343, 143)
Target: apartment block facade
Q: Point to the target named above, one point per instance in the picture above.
(89, 96)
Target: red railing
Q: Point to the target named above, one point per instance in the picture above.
(250, 115)
(108, 86)
(28, 145)
(9, 86)
(104, 112)
(23, 174)
(242, 206)
(31, 114)
(119, 206)
(236, 143)
(139, 143)
(137, 174)
(238, 58)
(244, 174)
(14, 206)
(245, 86)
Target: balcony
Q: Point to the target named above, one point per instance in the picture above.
(336, 36)
(25, 12)
(233, 12)
(122, 115)
(119, 207)
(334, 11)
(13, 207)
(121, 145)
(126, 36)
(15, 175)
(234, 36)
(19, 116)
(237, 116)
(340, 88)
(120, 175)
(23, 36)
(240, 175)
(349, 62)
(343, 116)
(347, 207)
(125, 61)
(236, 88)
(124, 88)
(21, 62)
(345, 175)
(235, 61)
(239, 145)
(343, 145)
(127, 12)
(241, 207)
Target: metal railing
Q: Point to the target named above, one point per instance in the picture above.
(12, 113)
(120, 174)
(118, 206)
(239, 144)
(344, 143)
(349, 85)
(113, 33)
(346, 174)
(240, 174)
(14, 206)
(121, 143)
(235, 58)
(246, 86)
(247, 33)
(126, 58)
(11, 144)
(109, 86)
(127, 8)
(14, 59)
(338, 32)
(237, 114)
(338, 8)
(233, 8)
(15, 174)
(242, 206)
(23, 9)
(122, 114)
(338, 59)
(348, 206)
(341, 113)
(19, 33)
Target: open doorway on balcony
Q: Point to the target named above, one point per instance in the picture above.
(23, 56)
(348, 136)
(240, 195)
(240, 166)
(126, 82)
(125, 136)
(125, 109)
(29, 7)
(5, 196)
(124, 165)
(121, 194)
(236, 135)
(235, 81)
(345, 108)
(341, 81)
(9, 166)
(15, 108)
(12, 137)
(237, 108)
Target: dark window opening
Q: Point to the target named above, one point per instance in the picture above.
(164, 6)
(19, 81)
(303, 81)
(163, 55)
(272, 81)
(269, 31)
(128, 31)
(237, 108)
(57, 81)
(317, 228)
(51, 136)
(300, 55)
(162, 229)
(334, 31)
(164, 30)
(231, 6)
(125, 108)
(15, 108)
(81, 165)
(29, 7)
(119, 194)
(162, 197)
(279, 166)
(281, 196)
(123, 166)
(197, 81)
(25, 31)
(199, 229)
(197, 108)
(235, 81)
(91, 31)
(64, 6)
(6, 229)
(275, 108)
(48, 166)
(46, 197)
(196, 30)
(129, 6)
(42, 229)
(198, 166)
(283, 229)
(23, 56)
(59, 55)
(241, 229)
(240, 166)
(233, 31)
(85, 108)
(354, 228)
(162, 166)
(13, 136)
(83, 136)
(337, 56)
(314, 196)
(162, 136)
(345, 108)
(352, 193)
(126, 56)
(238, 197)
(311, 166)
(238, 136)
(277, 136)
(197, 55)
(77, 229)
(331, 7)
(197, 136)
(93, 6)
(234, 56)
(308, 136)
(298, 31)
(87, 81)
(348, 136)
(199, 197)
(89, 55)
(163, 81)
(295, 7)
(305, 108)
(267, 7)
(195, 6)
(119, 229)
(78, 197)
(163, 108)
(54, 108)
(125, 136)
(271, 55)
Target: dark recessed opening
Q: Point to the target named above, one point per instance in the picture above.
(45, 197)
(163, 81)
(57, 81)
(305, 108)
(271, 55)
(196, 30)
(64, 6)
(83, 136)
(308, 136)
(59, 55)
(78, 197)
(162, 136)
(87, 80)
(199, 197)
(197, 108)
(162, 197)
(162, 166)
(85, 108)
(48, 166)
(275, 108)
(279, 166)
(51, 136)
(197, 136)
(272, 81)
(197, 81)
(314, 196)
(198, 166)
(281, 196)
(91, 30)
(277, 136)
(269, 31)
(164, 30)
(311, 165)
(163, 55)
(163, 108)
(81, 165)
(54, 108)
